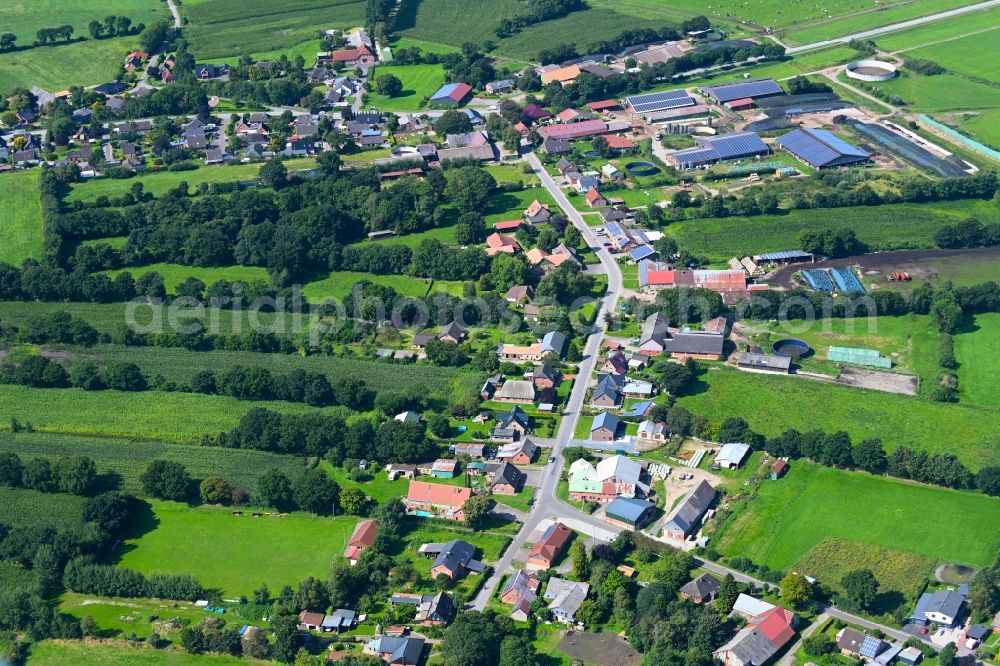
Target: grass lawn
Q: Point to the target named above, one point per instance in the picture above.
(812, 504)
(307, 49)
(963, 430)
(159, 182)
(24, 18)
(891, 226)
(511, 173)
(419, 82)
(425, 46)
(57, 67)
(978, 363)
(445, 234)
(59, 652)
(221, 28)
(939, 30)
(520, 501)
(510, 205)
(144, 415)
(235, 554)
(21, 230)
(490, 545)
(174, 274)
(121, 462)
(964, 55)
(338, 284)
(943, 92)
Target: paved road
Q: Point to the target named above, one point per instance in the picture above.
(789, 657)
(547, 505)
(792, 50)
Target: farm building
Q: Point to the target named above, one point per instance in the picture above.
(516, 390)
(859, 356)
(561, 75)
(572, 131)
(688, 513)
(821, 149)
(768, 363)
(731, 455)
(451, 94)
(783, 257)
(748, 89)
(712, 149)
(484, 153)
(433, 499)
(629, 514)
(778, 469)
(649, 105)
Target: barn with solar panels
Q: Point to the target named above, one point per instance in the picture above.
(821, 149)
(711, 149)
(661, 101)
(738, 90)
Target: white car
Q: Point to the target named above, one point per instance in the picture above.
(552, 459)
(492, 107)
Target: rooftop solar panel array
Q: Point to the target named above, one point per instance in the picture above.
(870, 647)
(738, 144)
(671, 99)
(752, 88)
(820, 148)
(641, 252)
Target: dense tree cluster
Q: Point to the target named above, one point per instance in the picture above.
(83, 575)
(537, 11)
(70, 474)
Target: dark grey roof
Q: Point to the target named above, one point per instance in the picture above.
(702, 587)
(545, 371)
(454, 555)
(404, 649)
(695, 342)
(768, 361)
(627, 509)
(506, 474)
(515, 415)
(692, 508)
(751, 647)
(655, 328)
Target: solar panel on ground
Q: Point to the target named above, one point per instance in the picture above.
(752, 88)
(670, 99)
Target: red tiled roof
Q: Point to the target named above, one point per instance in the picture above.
(343, 55)
(776, 625)
(549, 548)
(618, 142)
(573, 130)
(364, 534)
(593, 195)
(509, 225)
(440, 495)
(535, 112)
(603, 105)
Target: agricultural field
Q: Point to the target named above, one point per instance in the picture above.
(891, 226)
(792, 522)
(419, 83)
(59, 66)
(223, 28)
(160, 182)
(174, 274)
(938, 31)
(21, 231)
(944, 92)
(582, 28)
(960, 429)
(975, 351)
(235, 553)
(338, 284)
(144, 415)
(59, 652)
(983, 126)
(964, 55)
(24, 18)
(120, 462)
(19, 506)
(451, 23)
(15, 578)
(963, 269)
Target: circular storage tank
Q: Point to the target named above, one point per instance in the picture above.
(871, 70)
(790, 347)
(642, 168)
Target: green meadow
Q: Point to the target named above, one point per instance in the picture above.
(59, 66)
(235, 553)
(174, 274)
(419, 82)
(979, 367)
(21, 227)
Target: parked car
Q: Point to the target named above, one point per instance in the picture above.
(552, 459)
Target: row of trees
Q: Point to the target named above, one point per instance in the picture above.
(113, 26)
(52, 35)
(85, 576)
(70, 474)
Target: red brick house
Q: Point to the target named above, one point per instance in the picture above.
(549, 548)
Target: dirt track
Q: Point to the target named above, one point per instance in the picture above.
(877, 261)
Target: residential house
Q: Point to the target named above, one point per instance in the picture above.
(629, 513)
(760, 640)
(701, 590)
(545, 376)
(595, 199)
(654, 334)
(340, 620)
(552, 146)
(604, 427)
(565, 597)
(501, 86)
(362, 537)
(652, 432)
(537, 213)
(516, 390)
(453, 559)
(519, 591)
(616, 476)
(522, 452)
(615, 363)
(549, 548)
(941, 607)
(534, 112)
(609, 215)
(361, 54)
(505, 479)
(731, 455)
(497, 243)
(432, 609)
(657, 337)
(407, 417)
(206, 72)
(637, 388)
(490, 387)
(433, 499)
(520, 293)
(520, 353)
(849, 641)
(517, 420)
(587, 182)
(553, 342)
(689, 512)
(453, 332)
(912, 656)
(608, 392)
(396, 650)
